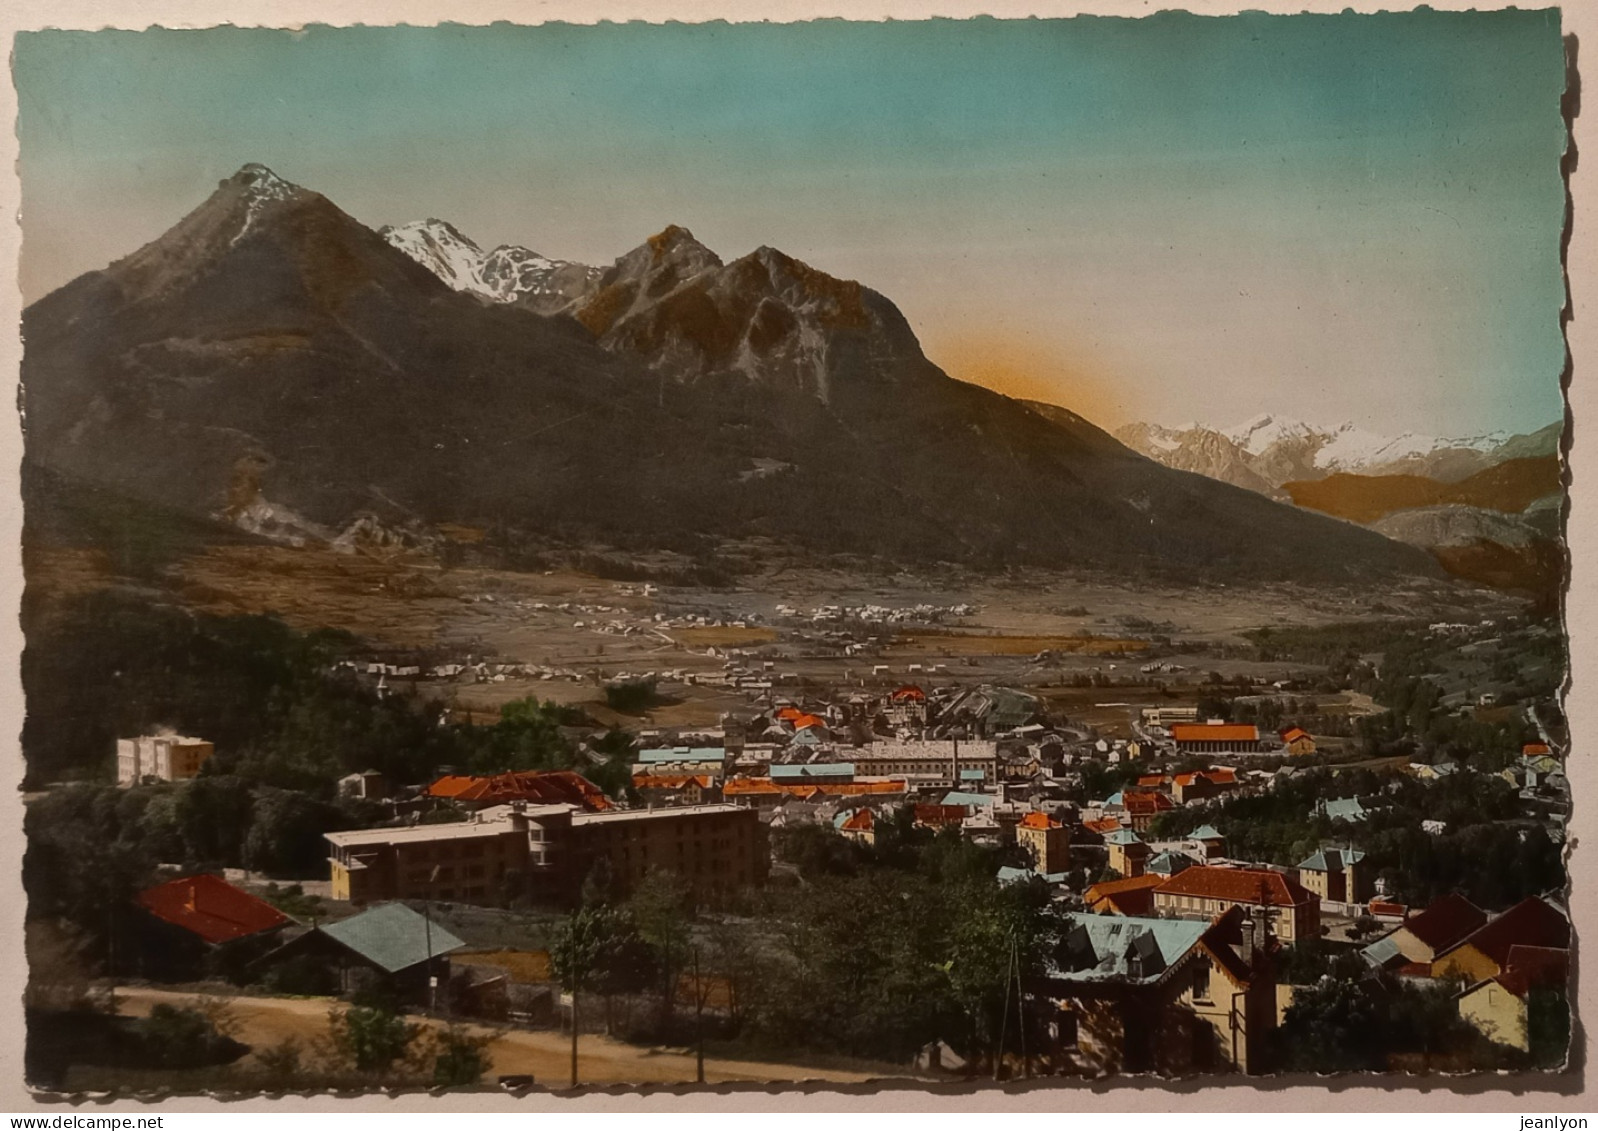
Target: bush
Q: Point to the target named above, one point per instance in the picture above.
(372, 1039)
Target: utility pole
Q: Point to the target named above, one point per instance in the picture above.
(574, 1035)
(1020, 1004)
(1004, 1015)
(699, 1021)
(427, 927)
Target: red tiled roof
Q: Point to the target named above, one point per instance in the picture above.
(542, 787)
(1293, 734)
(1446, 922)
(745, 786)
(939, 814)
(909, 691)
(1214, 732)
(1102, 825)
(1226, 776)
(1154, 780)
(802, 722)
(1533, 749)
(670, 781)
(857, 788)
(1531, 922)
(1531, 967)
(787, 713)
(1119, 887)
(1384, 907)
(1039, 821)
(1238, 885)
(1142, 803)
(211, 908)
(860, 821)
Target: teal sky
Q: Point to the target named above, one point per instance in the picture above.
(1350, 217)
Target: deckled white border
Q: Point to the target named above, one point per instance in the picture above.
(1580, 18)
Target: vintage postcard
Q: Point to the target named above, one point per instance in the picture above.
(945, 551)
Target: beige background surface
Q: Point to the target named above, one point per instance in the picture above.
(1560, 1094)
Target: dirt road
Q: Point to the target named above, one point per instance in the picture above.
(264, 1021)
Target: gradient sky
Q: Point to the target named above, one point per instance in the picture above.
(1350, 217)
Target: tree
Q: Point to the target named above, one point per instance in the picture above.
(371, 1038)
(660, 907)
(597, 949)
(1548, 1027)
(1334, 1026)
(997, 937)
(285, 833)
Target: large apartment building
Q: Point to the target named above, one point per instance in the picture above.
(167, 757)
(544, 852)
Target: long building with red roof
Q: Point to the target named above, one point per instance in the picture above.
(1216, 738)
(1205, 892)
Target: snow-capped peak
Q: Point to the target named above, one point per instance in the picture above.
(506, 274)
(1260, 432)
(437, 246)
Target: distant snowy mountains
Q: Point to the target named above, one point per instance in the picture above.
(1267, 452)
(507, 274)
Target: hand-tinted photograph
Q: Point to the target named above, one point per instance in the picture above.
(951, 551)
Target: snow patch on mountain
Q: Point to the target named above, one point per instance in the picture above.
(261, 187)
(504, 275)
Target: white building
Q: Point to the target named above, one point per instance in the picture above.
(168, 757)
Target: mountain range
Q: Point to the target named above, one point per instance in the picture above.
(1266, 453)
(272, 364)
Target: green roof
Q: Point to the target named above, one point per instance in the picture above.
(1100, 948)
(391, 936)
(1332, 860)
(1205, 832)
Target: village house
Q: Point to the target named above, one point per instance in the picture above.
(201, 925)
(859, 825)
(1159, 995)
(1416, 944)
(1046, 841)
(368, 785)
(677, 789)
(1127, 852)
(1208, 891)
(1133, 896)
(1208, 843)
(907, 707)
(1168, 864)
(1339, 876)
(1297, 741)
(1485, 953)
(164, 757)
(1197, 786)
(1500, 1007)
(1139, 809)
(388, 946)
